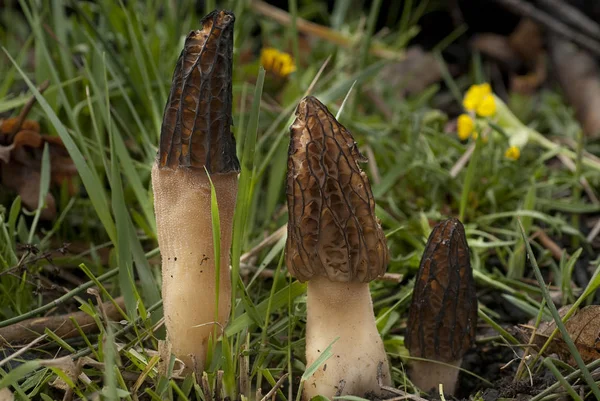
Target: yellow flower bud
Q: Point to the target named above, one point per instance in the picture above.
(487, 106)
(475, 95)
(512, 153)
(464, 126)
(485, 89)
(472, 98)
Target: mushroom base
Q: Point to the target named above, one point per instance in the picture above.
(343, 310)
(429, 375)
(185, 238)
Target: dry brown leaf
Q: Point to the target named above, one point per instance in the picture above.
(524, 48)
(527, 40)
(527, 84)
(68, 367)
(8, 125)
(414, 73)
(21, 161)
(497, 47)
(579, 76)
(583, 328)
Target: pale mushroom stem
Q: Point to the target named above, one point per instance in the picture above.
(185, 237)
(344, 310)
(196, 140)
(428, 375)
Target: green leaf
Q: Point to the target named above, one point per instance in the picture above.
(244, 198)
(122, 245)
(559, 323)
(44, 188)
(325, 355)
(279, 300)
(17, 374)
(90, 181)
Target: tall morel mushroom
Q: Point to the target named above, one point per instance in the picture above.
(335, 243)
(195, 138)
(443, 313)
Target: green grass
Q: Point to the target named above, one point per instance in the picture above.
(110, 64)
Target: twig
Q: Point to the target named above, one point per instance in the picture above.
(403, 395)
(62, 325)
(460, 164)
(573, 16)
(26, 109)
(594, 232)
(86, 351)
(525, 9)
(273, 239)
(311, 87)
(275, 387)
(23, 350)
(576, 374)
(549, 244)
(267, 242)
(59, 301)
(244, 380)
(317, 30)
(267, 273)
(206, 387)
(373, 165)
(218, 385)
(526, 353)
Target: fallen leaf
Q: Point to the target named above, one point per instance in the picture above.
(523, 49)
(68, 367)
(579, 76)
(413, 74)
(583, 328)
(21, 161)
(7, 127)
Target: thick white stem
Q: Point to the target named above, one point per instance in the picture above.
(343, 310)
(428, 375)
(185, 237)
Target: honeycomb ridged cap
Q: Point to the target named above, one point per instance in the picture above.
(196, 128)
(332, 227)
(442, 319)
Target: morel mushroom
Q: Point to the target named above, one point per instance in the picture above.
(196, 135)
(443, 313)
(336, 243)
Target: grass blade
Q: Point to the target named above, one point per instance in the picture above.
(559, 323)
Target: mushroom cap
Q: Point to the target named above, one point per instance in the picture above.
(332, 227)
(442, 318)
(196, 128)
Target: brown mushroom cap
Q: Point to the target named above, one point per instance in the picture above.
(332, 228)
(196, 128)
(443, 314)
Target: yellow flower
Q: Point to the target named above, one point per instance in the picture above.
(475, 135)
(475, 95)
(512, 153)
(485, 88)
(487, 106)
(464, 126)
(276, 62)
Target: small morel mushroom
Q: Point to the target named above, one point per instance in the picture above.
(196, 135)
(443, 314)
(335, 243)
